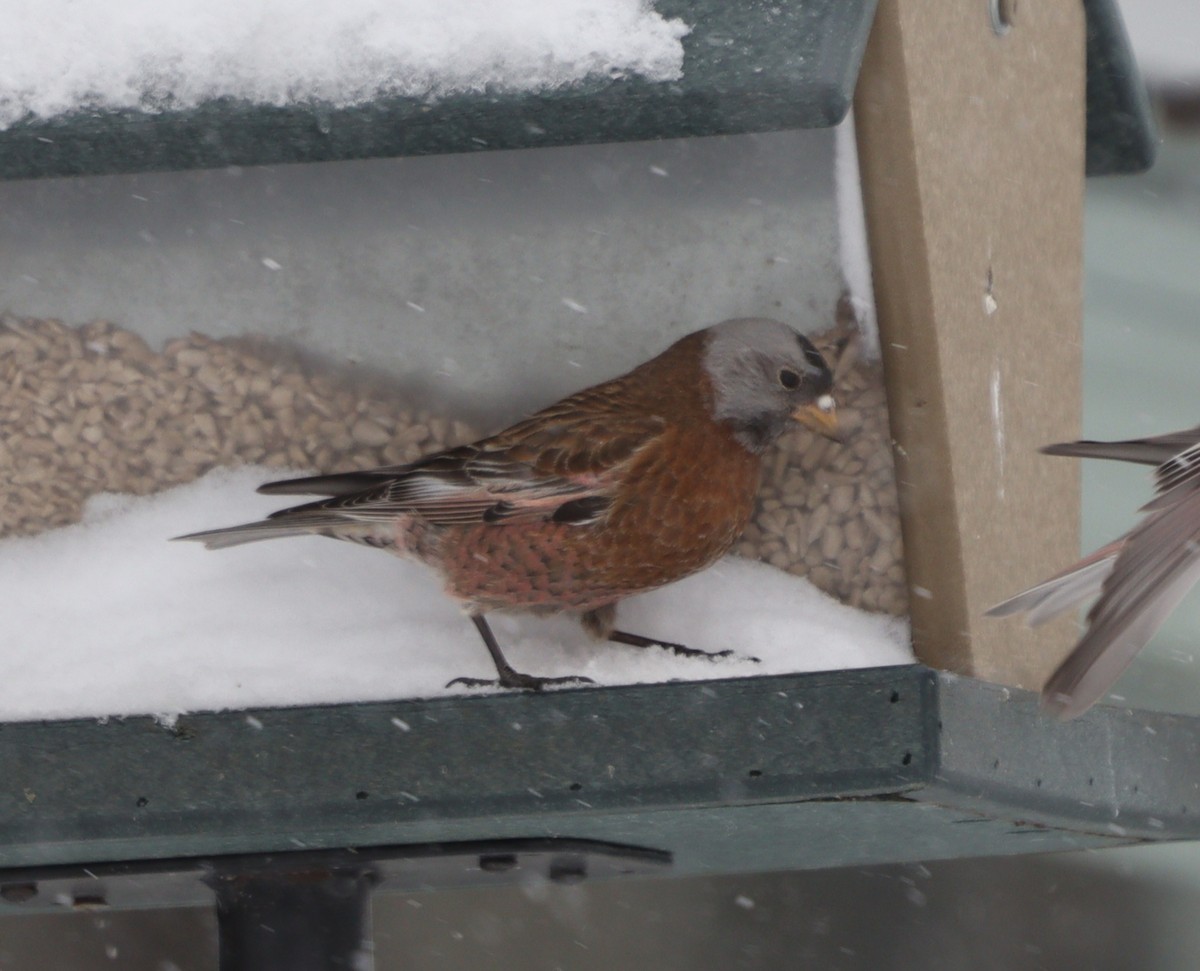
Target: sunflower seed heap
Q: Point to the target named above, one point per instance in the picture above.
(93, 409)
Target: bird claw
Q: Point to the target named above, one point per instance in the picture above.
(680, 650)
(517, 681)
(684, 651)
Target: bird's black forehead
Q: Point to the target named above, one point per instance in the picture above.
(811, 355)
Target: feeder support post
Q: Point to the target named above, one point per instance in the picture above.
(970, 125)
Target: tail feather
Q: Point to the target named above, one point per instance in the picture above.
(219, 539)
(335, 484)
(1053, 598)
(1145, 451)
(1063, 591)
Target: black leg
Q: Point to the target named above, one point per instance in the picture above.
(637, 640)
(508, 677)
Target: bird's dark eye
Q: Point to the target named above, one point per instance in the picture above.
(789, 379)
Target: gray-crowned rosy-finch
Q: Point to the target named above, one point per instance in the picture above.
(615, 490)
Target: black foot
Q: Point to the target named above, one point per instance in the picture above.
(682, 650)
(509, 678)
(518, 681)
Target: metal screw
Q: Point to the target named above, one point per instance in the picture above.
(18, 893)
(1003, 14)
(568, 869)
(498, 862)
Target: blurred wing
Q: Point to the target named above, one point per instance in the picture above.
(1156, 566)
(1140, 578)
(1063, 591)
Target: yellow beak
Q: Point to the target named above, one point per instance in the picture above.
(820, 416)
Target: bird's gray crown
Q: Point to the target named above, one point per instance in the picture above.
(751, 362)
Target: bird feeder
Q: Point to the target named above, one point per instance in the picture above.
(975, 126)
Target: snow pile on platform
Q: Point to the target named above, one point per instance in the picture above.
(109, 618)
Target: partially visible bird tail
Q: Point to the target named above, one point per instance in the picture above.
(1145, 451)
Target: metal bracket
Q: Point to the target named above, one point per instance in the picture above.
(310, 911)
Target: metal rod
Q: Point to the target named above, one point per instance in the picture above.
(316, 920)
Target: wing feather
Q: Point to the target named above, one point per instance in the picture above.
(562, 463)
(1158, 564)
